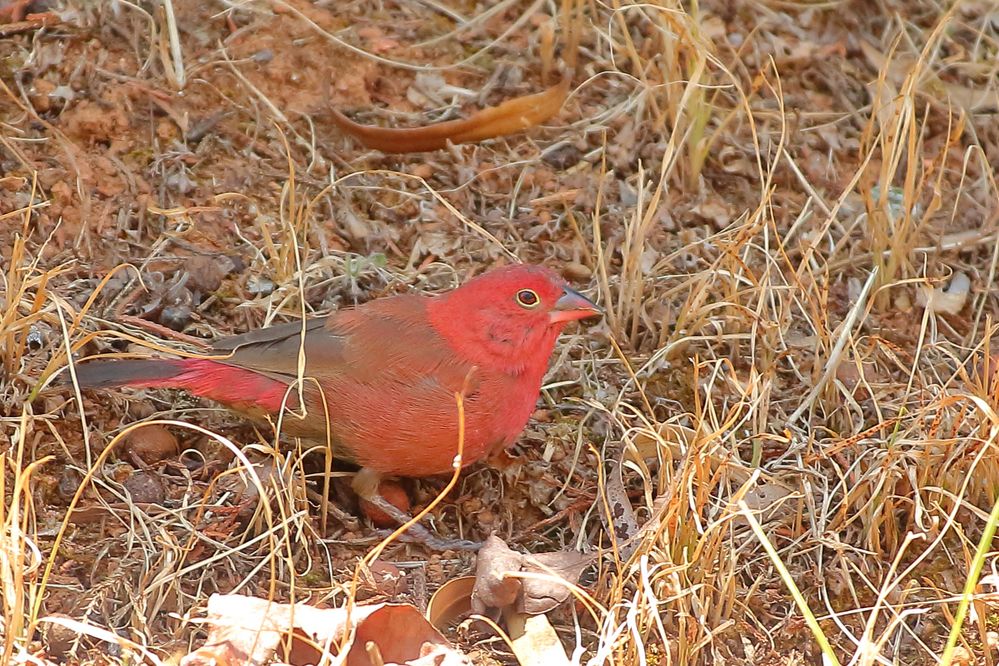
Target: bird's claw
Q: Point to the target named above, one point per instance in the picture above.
(420, 534)
(417, 533)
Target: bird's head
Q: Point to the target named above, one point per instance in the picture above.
(508, 318)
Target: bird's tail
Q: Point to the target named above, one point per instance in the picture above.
(150, 372)
(232, 386)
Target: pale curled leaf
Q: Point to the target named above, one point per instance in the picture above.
(534, 640)
(246, 630)
(946, 300)
(79, 628)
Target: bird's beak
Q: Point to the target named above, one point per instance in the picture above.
(571, 306)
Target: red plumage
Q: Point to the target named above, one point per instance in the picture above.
(386, 372)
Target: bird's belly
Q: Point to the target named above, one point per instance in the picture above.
(418, 435)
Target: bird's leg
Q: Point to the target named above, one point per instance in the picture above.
(366, 484)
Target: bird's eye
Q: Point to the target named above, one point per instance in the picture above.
(528, 298)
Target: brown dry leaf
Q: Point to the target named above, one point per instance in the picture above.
(972, 99)
(248, 630)
(246, 492)
(17, 17)
(513, 115)
(768, 499)
(12, 12)
(624, 523)
(675, 439)
(557, 571)
(713, 209)
(497, 584)
(495, 587)
(32, 22)
(385, 579)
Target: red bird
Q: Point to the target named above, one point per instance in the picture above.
(389, 370)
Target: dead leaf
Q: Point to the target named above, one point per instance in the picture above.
(714, 210)
(32, 22)
(17, 17)
(385, 579)
(12, 12)
(971, 98)
(247, 630)
(246, 492)
(513, 115)
(946, 300)
(674, 439)
(499, 585)
(768, 497)
(495, 587)
(623, 522)
(556, 571)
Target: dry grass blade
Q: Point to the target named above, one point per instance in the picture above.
(20, 557)
(971, 584)
(828, 655)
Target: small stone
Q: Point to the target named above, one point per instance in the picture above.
(69, 483)
(562, 156)
(176, 317)
(577, 271)
(145, 488)
(205, 273)
(151, 444)
(259, 286)
(963, 657)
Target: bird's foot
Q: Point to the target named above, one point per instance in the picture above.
(366, 484)
(417, 533)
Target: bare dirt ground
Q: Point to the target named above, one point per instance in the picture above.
(789, 210)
